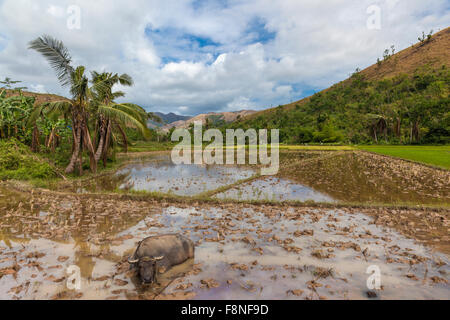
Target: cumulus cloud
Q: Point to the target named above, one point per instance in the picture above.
(194, 56)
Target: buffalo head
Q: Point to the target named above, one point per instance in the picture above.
(146, 267)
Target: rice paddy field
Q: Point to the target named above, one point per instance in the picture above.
(309, 232)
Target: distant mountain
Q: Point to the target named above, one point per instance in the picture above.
(214, 119)
(171, 117)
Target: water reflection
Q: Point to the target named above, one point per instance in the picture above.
(180, 179)
(274, 189)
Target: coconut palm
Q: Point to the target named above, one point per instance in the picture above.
(111, 116)
(77, 107)
(95, 103)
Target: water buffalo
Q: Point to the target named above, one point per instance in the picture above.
(165, 251)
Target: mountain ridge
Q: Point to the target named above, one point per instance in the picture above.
(214, 118)
(433, 52)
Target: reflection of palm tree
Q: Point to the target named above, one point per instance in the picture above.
(83, 258)
(8, 238)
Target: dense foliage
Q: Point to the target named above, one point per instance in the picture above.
(14, 113)
(18, 162)
(405, 109)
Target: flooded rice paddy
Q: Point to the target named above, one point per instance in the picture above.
(328, 177)
(243, 251)
(359, 177)
(274, 189)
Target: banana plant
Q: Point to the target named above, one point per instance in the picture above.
(14, 111)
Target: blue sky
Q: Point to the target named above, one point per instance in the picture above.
(196, 56)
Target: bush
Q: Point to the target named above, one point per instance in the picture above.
(17, 162)
(328, 134)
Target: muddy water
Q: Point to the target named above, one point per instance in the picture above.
(367, 178)
(242, 252)
(274, 189)
(303, 176)
(161, 175)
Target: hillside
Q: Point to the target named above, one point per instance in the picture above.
(403, 98)
(213, 118)
(39, 97)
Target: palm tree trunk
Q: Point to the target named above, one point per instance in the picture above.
(101, 143)
(50, 137)
(88, 143)
(80, 164)
(124, 137)
(411, 133)
(76, 148)
(107, 143)
(398, 128)
(416, 131)
(35, 140)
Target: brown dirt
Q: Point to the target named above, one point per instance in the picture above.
(39, 97)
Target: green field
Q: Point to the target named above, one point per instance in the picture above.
(146, 146)
(434, 155)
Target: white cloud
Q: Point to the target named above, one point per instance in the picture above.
(38, 88)
(183, 109)
(56, 11)
(207, 58)
(240, 103)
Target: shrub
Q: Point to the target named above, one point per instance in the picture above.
(17, 162)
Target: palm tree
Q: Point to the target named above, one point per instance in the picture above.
(77, 108)
(377, 123)
(109, 115)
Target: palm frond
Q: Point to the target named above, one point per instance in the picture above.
(61, 108)
(36, 114)
(80, 84)
(134, 110)
(56, 54)
(154, 117)
(125, 80)
(123, 116)
(118, 94)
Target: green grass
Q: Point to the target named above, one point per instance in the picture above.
(434, 155)
(18, 162)
(302, 147)
(145, 146)
(317, 148)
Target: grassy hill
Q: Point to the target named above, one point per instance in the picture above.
(404, 98)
